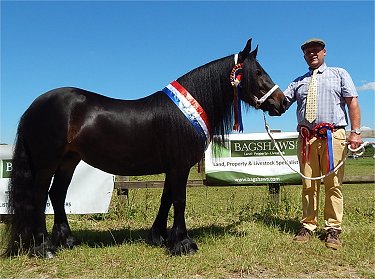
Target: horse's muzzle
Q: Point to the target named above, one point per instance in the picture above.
(275, 106)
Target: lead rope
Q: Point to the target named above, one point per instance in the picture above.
(361, 147)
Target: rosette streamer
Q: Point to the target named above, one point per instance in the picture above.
(235, 79)
(324, 131)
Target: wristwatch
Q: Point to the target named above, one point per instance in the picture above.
(356, 131)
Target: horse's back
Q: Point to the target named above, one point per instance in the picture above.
(63, 112)
(119, 136)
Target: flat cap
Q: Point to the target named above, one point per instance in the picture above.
(313, 41)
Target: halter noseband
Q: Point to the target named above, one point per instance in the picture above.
(259, 102)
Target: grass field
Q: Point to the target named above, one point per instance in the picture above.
(361, 166)
(240, 231)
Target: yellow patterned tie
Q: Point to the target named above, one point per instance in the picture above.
(311, 98)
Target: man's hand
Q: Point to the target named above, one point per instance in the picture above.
(354, 140)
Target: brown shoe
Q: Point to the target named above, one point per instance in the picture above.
(332, 239)
(303, 235)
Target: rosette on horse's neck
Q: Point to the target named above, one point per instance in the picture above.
(235, 79)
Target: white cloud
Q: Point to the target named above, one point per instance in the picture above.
(365, 128)
(367, 86)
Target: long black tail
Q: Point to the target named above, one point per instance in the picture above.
(19, 231)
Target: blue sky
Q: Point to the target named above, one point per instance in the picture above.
(129, 50)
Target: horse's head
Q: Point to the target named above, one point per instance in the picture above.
(257, 88)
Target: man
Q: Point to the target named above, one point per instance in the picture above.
(322, 95)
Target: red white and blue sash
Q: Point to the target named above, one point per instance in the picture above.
(190, 108)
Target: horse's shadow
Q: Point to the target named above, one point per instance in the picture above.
(109, 238)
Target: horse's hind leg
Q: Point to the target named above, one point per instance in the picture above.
(158, 234)
(61, 233)
(41, 245)
(179, 241)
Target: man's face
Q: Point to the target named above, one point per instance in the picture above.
(314, 55)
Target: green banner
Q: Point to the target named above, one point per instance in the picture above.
(6, 168)
(248, 159)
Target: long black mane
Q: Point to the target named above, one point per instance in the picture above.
(210, 85)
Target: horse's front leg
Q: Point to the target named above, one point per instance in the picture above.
(179, 241)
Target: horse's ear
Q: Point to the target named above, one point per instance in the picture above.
(255, 52)
(245, 52)
(247, 48)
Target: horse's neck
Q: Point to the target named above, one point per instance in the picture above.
(209, 81)
(210, 86)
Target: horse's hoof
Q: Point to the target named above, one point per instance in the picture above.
(49, 255)
(185, 247)
(45, 254)
(156, 239)
(71, 242)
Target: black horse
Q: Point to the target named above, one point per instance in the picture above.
(155, 134)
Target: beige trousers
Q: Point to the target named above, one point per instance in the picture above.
(334, 203)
